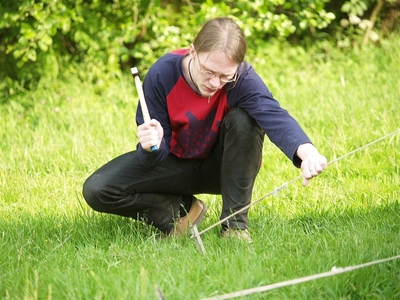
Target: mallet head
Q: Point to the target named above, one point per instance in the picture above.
(135, 71)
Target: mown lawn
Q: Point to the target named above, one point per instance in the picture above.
(52, 246)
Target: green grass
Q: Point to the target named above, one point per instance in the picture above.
(52, 246)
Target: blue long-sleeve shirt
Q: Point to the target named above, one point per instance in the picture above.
(192, 122)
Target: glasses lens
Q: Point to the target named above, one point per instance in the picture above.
(231, 79)
(208, 74)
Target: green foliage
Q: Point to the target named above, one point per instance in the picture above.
(266, 21)
(354, 25)
(99, 40)
(281, 18)
(355, 7)
(86, 38)
(357, 24)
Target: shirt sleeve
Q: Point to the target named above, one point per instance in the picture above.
(251, 94)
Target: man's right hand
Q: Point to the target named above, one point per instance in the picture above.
(150, 134)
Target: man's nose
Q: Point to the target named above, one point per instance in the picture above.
(216, 81)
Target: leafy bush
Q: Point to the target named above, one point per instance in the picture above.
(98, 40)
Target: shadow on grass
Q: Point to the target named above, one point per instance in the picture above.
(282, 250)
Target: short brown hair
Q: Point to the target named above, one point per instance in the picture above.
(222, 34)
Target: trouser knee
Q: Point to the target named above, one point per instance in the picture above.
(92, 193)
(239, 123)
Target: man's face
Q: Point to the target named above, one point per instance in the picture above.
(212, 70)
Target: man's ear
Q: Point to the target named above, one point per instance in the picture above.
(192, 51)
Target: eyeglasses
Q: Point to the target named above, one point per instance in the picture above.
(210, 74)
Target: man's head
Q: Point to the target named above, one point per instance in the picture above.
(222, 34)
(217, 51)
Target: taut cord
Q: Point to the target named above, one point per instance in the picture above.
(275, 191)
(273, 286)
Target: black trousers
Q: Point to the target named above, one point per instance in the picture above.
(124, 186)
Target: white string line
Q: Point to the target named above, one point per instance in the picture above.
(275, 191)
(365, 146)
(269, 287)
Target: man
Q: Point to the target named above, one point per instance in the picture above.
(210, 112)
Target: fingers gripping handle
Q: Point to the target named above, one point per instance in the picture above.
(142, 100)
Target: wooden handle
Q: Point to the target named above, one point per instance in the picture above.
(145, 110)
(142, 100)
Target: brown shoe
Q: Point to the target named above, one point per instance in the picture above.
(195, 216)
(238, 234)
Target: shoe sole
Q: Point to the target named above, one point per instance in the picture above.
(177, 231)
(200, 218)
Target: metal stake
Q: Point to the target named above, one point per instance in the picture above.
(194, 234)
